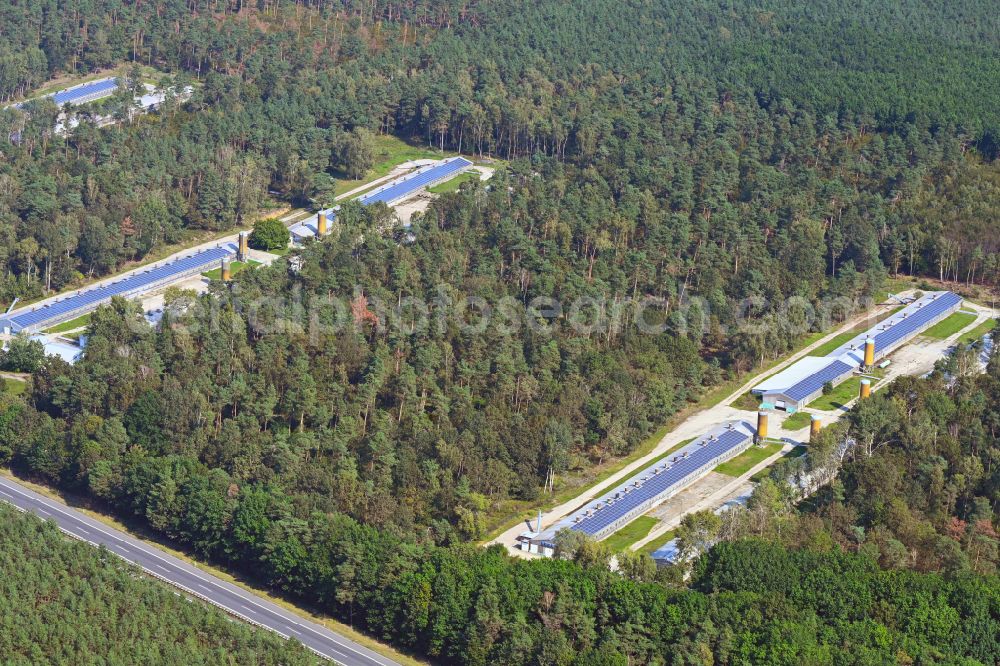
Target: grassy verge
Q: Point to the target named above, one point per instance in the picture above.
(631, 533)
(658, 542)
(390, 151)
(747, 401)
(453, 184)
(797, 421)
(978, 332)
(297, 216)
(949, 326)
(837, 341)
(894, 286)
(234, 268)
(13, 386)
(139, 531)
(70, 325)
(742, 463)
(796, 452)
(841, 394)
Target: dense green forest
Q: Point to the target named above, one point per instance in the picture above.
(50, 583)
(684, 104)
(713, 159)
(894, 562)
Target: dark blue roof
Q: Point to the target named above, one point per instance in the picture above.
(658, 483)
(806, 387)
(916, 320)
(409, 184)
(135, 281)
(64, 96)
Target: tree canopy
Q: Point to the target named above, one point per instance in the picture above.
(67, 602)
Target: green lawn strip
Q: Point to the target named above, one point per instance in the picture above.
(978, 332)
(797, 421)
(841, 394)
(390, 151)
(453, 184)
(234, 268)
(836, 341)
(13, 386)
(631, 533)
(747, 401)
(949, 326)
(894, 286)
(298, 217)
(658, 542)
(797, 452)
(742, 463)
(78, 322)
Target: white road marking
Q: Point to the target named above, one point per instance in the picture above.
(77, 520)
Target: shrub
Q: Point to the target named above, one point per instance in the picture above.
(269, 234)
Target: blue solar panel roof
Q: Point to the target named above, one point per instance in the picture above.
(409, 184)
(659, 482)
(814, 382)
(899, 329)
(133, 282)
(887, 335)
(86, 90)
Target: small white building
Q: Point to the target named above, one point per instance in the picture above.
(64, 348)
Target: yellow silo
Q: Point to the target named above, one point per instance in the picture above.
(761, 425)
(814, 425)
(869, 353)
(866, 388)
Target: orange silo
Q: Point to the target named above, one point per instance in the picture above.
(761, 425)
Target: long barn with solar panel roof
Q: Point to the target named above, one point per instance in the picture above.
(391, 193)
(137, 283)
(83, 93)
(803, 381)
(648, 488)
(402, 188)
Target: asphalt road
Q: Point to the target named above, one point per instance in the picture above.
(195, 582)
